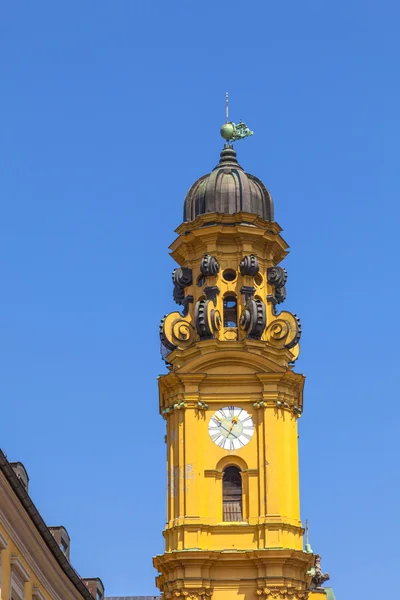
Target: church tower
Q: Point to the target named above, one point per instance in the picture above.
(231, 401)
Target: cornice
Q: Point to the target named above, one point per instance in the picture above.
(212, 218)
(202, 355)
(215, 528)
(177, 381)
(211, 231)
(179, 557)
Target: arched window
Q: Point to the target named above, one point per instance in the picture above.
(232, 494)
(230, 311)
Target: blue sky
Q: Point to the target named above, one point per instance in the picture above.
(110, 111)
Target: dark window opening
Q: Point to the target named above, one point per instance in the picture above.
(63, 545)
(230, 311)
(99, 595)
(229, 275)
(232, 494)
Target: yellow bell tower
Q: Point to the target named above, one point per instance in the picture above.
(231, 401)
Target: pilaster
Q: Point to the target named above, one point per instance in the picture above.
(5, 555)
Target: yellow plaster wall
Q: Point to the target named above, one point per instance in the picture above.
(263, 555)
(269, 464)
(13, 550)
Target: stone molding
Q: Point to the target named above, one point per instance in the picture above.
(3, 542)
(282, 593)
(37, 594)
(18, 569)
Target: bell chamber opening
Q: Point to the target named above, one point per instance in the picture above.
(230, 311)
(232, 494)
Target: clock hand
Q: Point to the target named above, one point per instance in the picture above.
(234, 421)
(222, 427)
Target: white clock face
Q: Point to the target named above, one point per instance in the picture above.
(231, 428)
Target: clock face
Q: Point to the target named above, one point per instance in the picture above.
(231, 428)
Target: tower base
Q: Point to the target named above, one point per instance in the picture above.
(246, 575)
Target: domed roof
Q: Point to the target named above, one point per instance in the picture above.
(228, 190)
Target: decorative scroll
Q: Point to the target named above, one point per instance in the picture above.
(181, 278)
(284, 331)
(178, 294)
(277, 277)
(207, 319)
(176, 332)
(209, 266)
(249, 265)
(253, 318)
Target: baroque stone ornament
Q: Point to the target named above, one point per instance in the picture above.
(178, 294)
(209, 266)
(284, 331)
(277, 277)
(176, 332)
(249, 265)
(248, 292)
(253, 318)
(207, 319)
(186, 302)
(318, 577)
(212, 292)
(189, 594)
(294, 593)
(181, 278)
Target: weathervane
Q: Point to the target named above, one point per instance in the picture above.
(231, 132)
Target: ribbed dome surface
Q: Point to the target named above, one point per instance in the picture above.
(228, 190)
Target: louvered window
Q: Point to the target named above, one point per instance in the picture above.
(232, 494)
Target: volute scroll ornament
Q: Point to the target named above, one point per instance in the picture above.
(277, 277)
(284, 331)
(176, 332)
(209, 266)
(178, 294)
(253, 318)
(249, 265)
(207, 319)
(181, 278)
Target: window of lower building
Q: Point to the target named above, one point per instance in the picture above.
(63, 546)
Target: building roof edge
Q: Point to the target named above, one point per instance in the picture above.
(41, 526)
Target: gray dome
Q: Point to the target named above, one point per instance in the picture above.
(228, 190)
